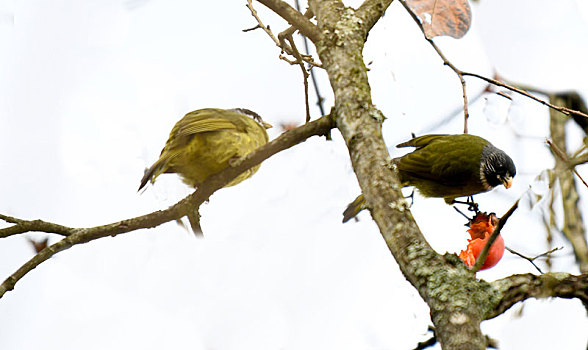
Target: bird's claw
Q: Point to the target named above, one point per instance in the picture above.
(411, 196)
(472, 206)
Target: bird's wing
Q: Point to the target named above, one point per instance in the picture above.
(415, 165)
(444, 163)
(204, 120)
(421, 141)
(197, 122)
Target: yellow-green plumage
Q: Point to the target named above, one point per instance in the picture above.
(206, 141)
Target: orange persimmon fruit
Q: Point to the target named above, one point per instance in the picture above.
(481, 227)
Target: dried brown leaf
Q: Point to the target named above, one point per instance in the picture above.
(38, 245)
(443, 17)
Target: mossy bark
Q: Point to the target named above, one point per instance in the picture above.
(451, 291)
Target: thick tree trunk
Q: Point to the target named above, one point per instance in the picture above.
(445, 284)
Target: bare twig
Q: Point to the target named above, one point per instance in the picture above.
(503, 94)
(286, 40)
(564, 110)
(304, 73)
(260, 24)
(579, 159)
(450, 116)
(558, 152)
(189, 204)
(10, 219)
(194, 220)
(319, 98)
(252, 29)
(484, 253)
(532, 260)
(282, 44)
(22, 226)
(427, 343)
(548, 236)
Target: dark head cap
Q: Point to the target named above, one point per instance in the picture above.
(496, 167)
(253, 115)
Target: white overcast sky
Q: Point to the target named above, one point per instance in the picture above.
(88, 93)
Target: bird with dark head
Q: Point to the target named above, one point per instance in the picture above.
(448, 166)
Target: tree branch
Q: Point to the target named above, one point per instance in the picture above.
(563, 157)
(22, 226)
(280, 41)
(573, 225)
(484, 253)
(564, 110)
(444, 282)
(305, 74)
(295, 18)
(532, 260)
(580, 159)
(371, 11)
(515, 288)
(319, 98)
(185, 206)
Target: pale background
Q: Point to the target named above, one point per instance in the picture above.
(88, 93)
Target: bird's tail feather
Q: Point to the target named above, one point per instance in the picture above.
(354, 208)
(156, 169)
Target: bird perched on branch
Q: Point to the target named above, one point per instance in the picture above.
(448, 166)
(205, 142)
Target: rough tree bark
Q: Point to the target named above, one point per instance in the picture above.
(451, 291)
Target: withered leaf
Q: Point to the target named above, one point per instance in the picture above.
(443, 17)
(38, 245)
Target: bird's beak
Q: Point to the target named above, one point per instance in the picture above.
(506, 181)
(266, 125)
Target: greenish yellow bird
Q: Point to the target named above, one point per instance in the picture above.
(448, 166)
(207, 141)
